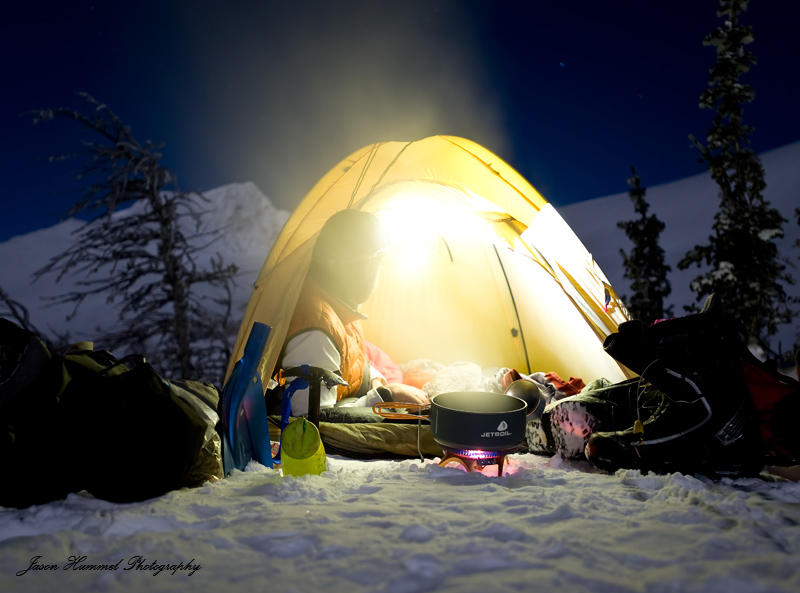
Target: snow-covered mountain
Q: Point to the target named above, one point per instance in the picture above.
(687, 208)
(248, 219)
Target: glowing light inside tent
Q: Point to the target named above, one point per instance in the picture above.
(416, 225)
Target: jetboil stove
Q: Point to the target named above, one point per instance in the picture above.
(474, 460)
(474, 429)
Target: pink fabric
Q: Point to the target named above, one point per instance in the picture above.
(417, 378)
(384, 363)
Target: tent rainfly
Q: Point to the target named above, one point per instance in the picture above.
(482, 268)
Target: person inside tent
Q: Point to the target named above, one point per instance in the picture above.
(325, 330)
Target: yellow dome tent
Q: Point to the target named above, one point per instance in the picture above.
(482, 268)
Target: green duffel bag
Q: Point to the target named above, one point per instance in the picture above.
(81, 420)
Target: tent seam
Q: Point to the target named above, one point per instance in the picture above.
(495, 171)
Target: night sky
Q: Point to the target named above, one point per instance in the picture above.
(569, 93)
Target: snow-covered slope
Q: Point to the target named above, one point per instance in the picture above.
(687, 208)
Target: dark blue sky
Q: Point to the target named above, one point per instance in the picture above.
(570, 93)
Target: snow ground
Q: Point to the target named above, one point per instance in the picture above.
(407, 527)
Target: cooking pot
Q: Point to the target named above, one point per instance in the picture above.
(478, 420)
(528, 392)
(471, 420)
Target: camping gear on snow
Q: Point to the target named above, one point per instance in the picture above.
(305, 376)
(245, 426)
(79, 419)
(707, 422)
(627, 412)
(483, 421)
(566, 424)
(480, 267)
(528, 392)
(136, 415)
(372, 440)
(477, 429)
(245, 423)
(473, 428)
(302, 452)
(23, 360)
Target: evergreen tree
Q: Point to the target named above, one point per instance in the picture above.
(645, 266)
(746, 272)
(173, 307)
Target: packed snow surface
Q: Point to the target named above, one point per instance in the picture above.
(410, 526)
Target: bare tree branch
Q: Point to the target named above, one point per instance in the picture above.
(142, 258)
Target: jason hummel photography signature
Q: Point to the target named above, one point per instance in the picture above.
(135, 563)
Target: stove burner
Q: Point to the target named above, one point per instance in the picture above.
(474, 460)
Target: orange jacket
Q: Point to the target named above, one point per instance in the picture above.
(317, 311)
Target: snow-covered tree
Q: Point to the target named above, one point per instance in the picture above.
(174, 308)
(746, 271)
(644, 265)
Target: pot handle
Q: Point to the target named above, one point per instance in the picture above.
(378, 409)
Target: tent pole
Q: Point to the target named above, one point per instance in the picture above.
(516, 312)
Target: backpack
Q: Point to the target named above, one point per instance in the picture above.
(721, 407)
(79, 419)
